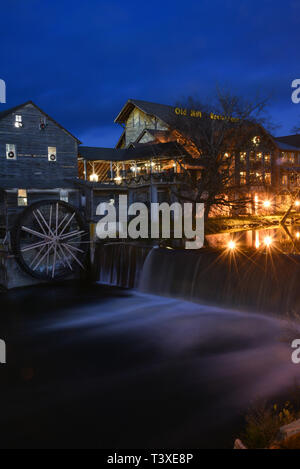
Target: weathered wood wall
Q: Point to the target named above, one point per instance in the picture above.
(32, 150)
(137, 122)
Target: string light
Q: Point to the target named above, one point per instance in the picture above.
(94, 177)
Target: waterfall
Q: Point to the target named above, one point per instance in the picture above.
(119, 264)
(263, 281)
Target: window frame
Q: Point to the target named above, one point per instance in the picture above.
(9, 149)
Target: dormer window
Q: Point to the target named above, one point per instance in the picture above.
(18, 121)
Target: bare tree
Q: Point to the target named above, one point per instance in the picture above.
(216, 135)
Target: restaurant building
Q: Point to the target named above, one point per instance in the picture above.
(149, 159)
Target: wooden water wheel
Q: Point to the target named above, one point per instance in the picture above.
(50, 240)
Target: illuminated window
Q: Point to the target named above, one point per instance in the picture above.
(267, 157)
(267, 178)
(22, 198)
(11, 151)
(258, 176)
(284, 180)
(18, 121)
(243, 177)
(256, 140)
(292, 157)
(243, 156)
(52, 154)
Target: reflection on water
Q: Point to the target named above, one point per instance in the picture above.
(283, 238)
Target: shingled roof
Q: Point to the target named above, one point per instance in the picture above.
(139, 152)
(162, 111)
(292, 140)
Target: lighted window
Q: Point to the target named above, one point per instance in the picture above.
(243, 177)
(255, 177)
(22, 198)
(11, 151)
(64, 195)
(18, 121)
(258, 176)
(267, 157)
(292, 157)
(284, 180)
(256, 140)
(52, 154)
(243, 156)
(267, 178)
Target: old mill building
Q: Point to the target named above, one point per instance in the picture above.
(40, 159)
(50, 184)
(148, 158)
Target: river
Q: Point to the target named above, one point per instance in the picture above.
(92, 366)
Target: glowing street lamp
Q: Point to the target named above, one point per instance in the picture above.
(297, 203)
(231, 245)
(267, 204)
(268, 241)
(297, 235)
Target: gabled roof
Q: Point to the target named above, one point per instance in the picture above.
(162, 111)
(140, 151)
(11, 110)
(292, 140)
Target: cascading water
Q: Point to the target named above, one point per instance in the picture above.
(262, 281)
(208, 362)
(120, 264)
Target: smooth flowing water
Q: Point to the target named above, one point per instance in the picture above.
(93, 366)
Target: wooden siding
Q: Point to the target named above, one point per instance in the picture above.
(137, 122)
(32, 149)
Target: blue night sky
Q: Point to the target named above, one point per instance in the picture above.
(80, 61)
